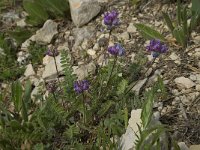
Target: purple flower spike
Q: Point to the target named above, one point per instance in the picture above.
(156, 47)
(116, 50)
(52, 53)
(111, 19)
(81, 86)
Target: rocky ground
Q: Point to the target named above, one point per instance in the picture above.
(179, 68)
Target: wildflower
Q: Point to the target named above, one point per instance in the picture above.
(111, 19)
(156, 47)
(116, 50)
(52, 53)
(51, 87)
(81, 86)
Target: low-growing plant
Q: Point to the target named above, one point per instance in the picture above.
(182, 29)
(37, 53)
(9, 67)
(91, 113)
(186, 21)
(20, 35)
(152, 134)
(40, 10)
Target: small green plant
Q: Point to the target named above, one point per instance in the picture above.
(20, 35)
(9, 67)
(149, 33)
(153, 135)
(37, 53)
(90, 113)
(40, 10)
(181, 30)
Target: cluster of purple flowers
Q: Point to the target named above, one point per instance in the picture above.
(52, 53)
(156, 47)
(81, 86)
(111, 19)
(116, 50)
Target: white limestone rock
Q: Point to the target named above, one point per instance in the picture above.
(46, 33)
(82, 11)
(29, 71)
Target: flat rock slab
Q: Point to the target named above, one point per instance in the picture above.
(50, 71)
(82, 11)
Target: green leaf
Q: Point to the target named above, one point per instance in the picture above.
(39, 147)
(37, 14)
(149, 32)
(17, 95)
(105, 107)
(55, 7)
(72, 131)
(27, 93)
(181, 38)
(196, 6)
(178, 12)
(142, 142)
(122, 87)
(168, 21)
(15, 125)
(184, 19)
(20, 35)
(147, 108)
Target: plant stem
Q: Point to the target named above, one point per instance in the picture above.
(56, 65)
(140, 78)
(84, 109)
(56, 69)
(113, 66)
(54, 96)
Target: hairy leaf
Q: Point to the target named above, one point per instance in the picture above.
(149, 32)
(37, 14)
(168, 21)
(17, 95)
(147, 108)
(122, 86)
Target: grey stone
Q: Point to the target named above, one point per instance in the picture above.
(131, 28)
(21, 23)
(82, 11)
(83, 34)
(50, 71)
(124, 36)
(183, 146)
(10, 17)
(127, 141)
(84, 70)
(25, 45)
(183, 82)
(29, 71)
(139, 85)
(46, 33)
(195, 147)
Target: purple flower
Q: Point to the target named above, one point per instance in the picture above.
(156, 47)
(116, 50)
(111, 19)
(81, 86)
(52, 86)
(52, 53)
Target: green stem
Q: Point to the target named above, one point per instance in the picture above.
(113, 66)
(56, 65)
(84, 110)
